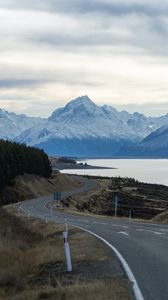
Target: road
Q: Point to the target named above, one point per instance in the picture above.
(143, 246)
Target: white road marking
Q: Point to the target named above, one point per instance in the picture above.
(158, 233)
(135, 287)
(123, 232)
(151, 231)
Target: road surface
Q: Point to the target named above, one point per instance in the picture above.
(143, 246)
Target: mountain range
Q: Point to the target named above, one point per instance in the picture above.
(83, 129)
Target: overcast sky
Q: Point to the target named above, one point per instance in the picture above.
(52, 51)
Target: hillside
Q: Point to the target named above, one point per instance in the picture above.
(161, 218)
(30, 186)
(16, 159)
(154, 145)
(144, 201)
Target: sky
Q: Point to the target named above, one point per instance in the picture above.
(115, 51)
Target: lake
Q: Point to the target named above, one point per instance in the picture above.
(146, 170)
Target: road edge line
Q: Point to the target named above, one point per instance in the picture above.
(130, 275)
(136, 290)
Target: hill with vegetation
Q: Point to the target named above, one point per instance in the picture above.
(141, 200)
(16, 159)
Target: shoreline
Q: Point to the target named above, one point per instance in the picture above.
(67, 166)
(121, 158)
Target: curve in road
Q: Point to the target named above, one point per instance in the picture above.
(143, 246)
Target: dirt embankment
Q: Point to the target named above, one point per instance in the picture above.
(33, 186)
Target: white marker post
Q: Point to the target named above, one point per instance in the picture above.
(51, 209)
(130, 215)
(116, 204)
(66, 226)
(67, 250)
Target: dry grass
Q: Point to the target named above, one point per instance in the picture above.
(73, 202)
(33, 186)
(161, 218)
(32, 264)
(91, 291)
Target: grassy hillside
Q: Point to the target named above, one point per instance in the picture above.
(32, 264)
(30, 186)
(144, 200)
(161, 218)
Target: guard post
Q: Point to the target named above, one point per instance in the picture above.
(67, 249)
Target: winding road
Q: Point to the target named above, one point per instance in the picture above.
(143, 246)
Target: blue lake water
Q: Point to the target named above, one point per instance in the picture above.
(146, 170)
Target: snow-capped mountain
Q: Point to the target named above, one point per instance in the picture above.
(11, 124)
(156, 144)
(82, 128)
(87, 119)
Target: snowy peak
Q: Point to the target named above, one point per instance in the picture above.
(81, 102)
(79, 106)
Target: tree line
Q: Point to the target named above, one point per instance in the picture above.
(17, 159)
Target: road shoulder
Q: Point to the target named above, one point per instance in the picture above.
(96, 274)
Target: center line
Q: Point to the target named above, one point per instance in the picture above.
(123, 232)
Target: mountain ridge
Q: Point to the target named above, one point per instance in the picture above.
(82, 128)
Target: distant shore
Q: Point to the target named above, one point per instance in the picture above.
(64, 163)
(77, 166)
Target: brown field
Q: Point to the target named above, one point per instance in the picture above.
(32, 264)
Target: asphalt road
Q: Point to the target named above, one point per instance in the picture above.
(144, 246)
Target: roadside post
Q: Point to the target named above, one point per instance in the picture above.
(130, 215)
(67, 248)
(51, 210)
(66, 225)
(116, 206)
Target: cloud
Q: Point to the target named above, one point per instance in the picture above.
(20, 83)
(29, 29)
(113, 7)
(115, 51)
